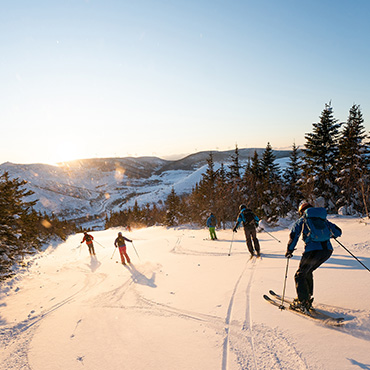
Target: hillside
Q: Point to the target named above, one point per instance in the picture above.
(92, 187)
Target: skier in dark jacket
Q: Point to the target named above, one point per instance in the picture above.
(250, 222)
(89, 241)
(317, 231)
(211, 224)
(120, 242)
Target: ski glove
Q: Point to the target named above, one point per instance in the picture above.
(288, 254)
(234, 229)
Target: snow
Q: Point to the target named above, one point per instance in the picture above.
(183, 304)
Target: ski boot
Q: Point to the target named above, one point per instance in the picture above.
(303, 306)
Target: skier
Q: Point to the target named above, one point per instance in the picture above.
(120, 243)
(89, 241)
(250, 223)
(211, 224)
(317, 231)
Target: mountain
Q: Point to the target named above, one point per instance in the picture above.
(92, 187)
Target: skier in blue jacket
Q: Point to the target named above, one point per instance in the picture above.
(317, 231)
(250, 222)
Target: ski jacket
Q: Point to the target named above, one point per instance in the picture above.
(301, 226)
(211, 221)
(120, 241)
(248, 218)
(88, 239)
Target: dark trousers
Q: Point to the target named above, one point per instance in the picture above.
(251, 234)
(91, 249)
(310, 261)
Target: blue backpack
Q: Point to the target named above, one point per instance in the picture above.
(315, 219)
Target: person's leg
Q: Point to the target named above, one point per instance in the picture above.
(121, 252)
(249, 241)
(126, 255)
(212, 233)
(310, 261)
(256, 242)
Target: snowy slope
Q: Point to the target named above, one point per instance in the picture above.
(184, 304)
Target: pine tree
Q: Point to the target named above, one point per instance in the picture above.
(235, 182)
(235, 167)
(353, 163)
(252, 184)
(18, 223)
(172, 205)
(207, 185)
(222, 205)
(271, 195)
(292, 177)
(320, 157)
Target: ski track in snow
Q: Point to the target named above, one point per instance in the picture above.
(265, 348)
(15, 339)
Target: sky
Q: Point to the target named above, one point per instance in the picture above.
(94, 78)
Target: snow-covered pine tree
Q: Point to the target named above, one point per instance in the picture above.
(18, 223)
(353, 162)
(320, 159)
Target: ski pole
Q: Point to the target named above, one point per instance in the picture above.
(270, 234)
(113, 252)
(135, 249)
(231, 244)
(351, 253)
(285, 279)
(99, 243)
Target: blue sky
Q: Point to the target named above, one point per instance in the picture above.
(94, 78)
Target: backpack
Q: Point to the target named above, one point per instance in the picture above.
(315, 219)
(248, 217)
(213, 221)
(88, 238)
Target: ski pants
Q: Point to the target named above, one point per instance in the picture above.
(251, 234)
(212, 232)
(310, 261)
(91, 249)
(123, 254)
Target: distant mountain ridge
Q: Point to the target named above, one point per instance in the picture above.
(93, 187)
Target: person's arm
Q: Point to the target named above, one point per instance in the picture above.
(293, 237)
(335, 231)
(238, 221)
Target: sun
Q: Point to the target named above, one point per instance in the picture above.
(66, 151)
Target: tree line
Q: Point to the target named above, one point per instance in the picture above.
(331, 170)
(23, 231)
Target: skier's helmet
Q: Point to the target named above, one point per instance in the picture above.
(119, 234)
(303, 207)
(242, 206)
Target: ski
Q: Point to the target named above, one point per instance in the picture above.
(313, 313)
(313, 310)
